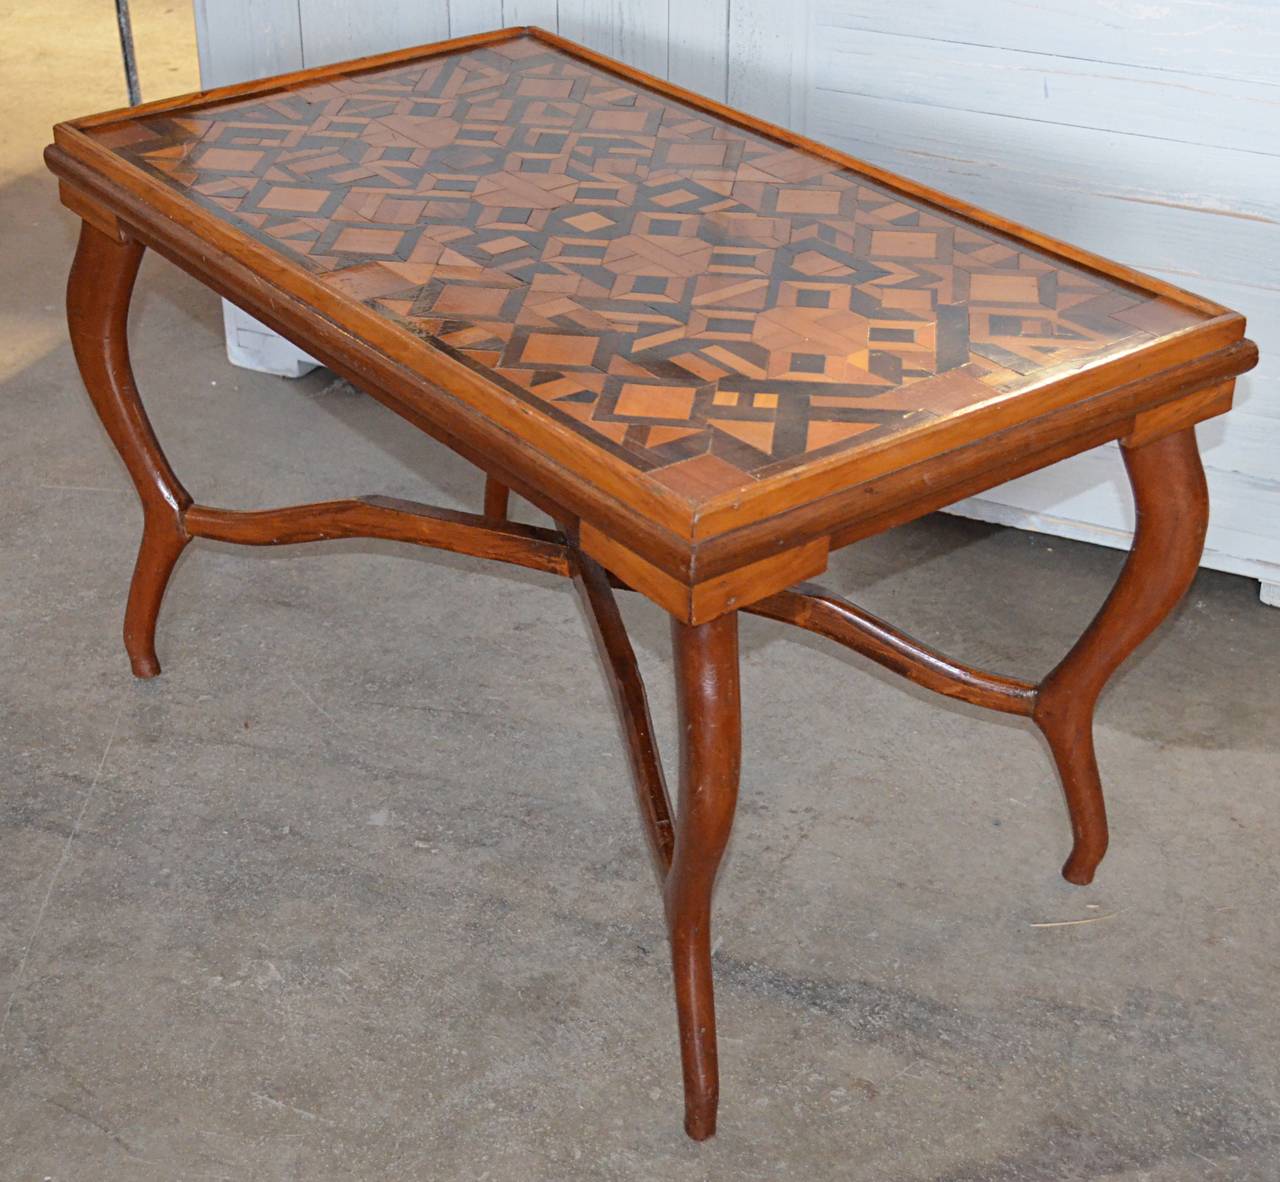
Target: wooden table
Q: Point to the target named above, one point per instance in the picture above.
(710, 350)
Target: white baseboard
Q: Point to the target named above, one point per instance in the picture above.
(980, 509)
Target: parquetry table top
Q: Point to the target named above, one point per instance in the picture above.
(709, 305)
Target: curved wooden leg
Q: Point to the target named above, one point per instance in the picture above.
(1172, 515)
(710, 754)
(98, 292)
(632, 706)
(496, 499)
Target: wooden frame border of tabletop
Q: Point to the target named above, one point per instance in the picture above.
(747, 553)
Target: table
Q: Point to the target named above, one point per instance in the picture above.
(710, 350)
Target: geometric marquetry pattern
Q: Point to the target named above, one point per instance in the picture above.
(673, 286)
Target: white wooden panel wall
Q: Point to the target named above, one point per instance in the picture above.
(1147, 132)
(333, 30)
(242, 39)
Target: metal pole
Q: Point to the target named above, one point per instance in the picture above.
(126, 48)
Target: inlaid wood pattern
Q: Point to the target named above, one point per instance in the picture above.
(708, 304)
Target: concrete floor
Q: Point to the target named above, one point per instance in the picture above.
(356, 891)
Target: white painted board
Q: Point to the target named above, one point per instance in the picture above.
(335, 30)
(241, 39)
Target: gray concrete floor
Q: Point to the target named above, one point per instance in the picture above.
(356, 891)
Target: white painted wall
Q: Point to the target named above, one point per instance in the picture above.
(1149, 132)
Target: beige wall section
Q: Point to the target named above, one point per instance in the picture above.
(1145, 132)
(44, 45)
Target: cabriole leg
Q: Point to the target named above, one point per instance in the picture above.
(98, 293)
(1172, 515)
(706, 659)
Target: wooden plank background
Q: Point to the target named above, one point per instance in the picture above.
(1147, 132)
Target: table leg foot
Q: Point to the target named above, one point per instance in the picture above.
(98, 295)
(710, 755)
(1172, 515)
(161, 546)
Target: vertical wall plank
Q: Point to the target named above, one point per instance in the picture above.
(634, 31)
(333, 30)
(242, 39)
(768, 60)
(475, 16)
(698, 46)
(543, 13)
